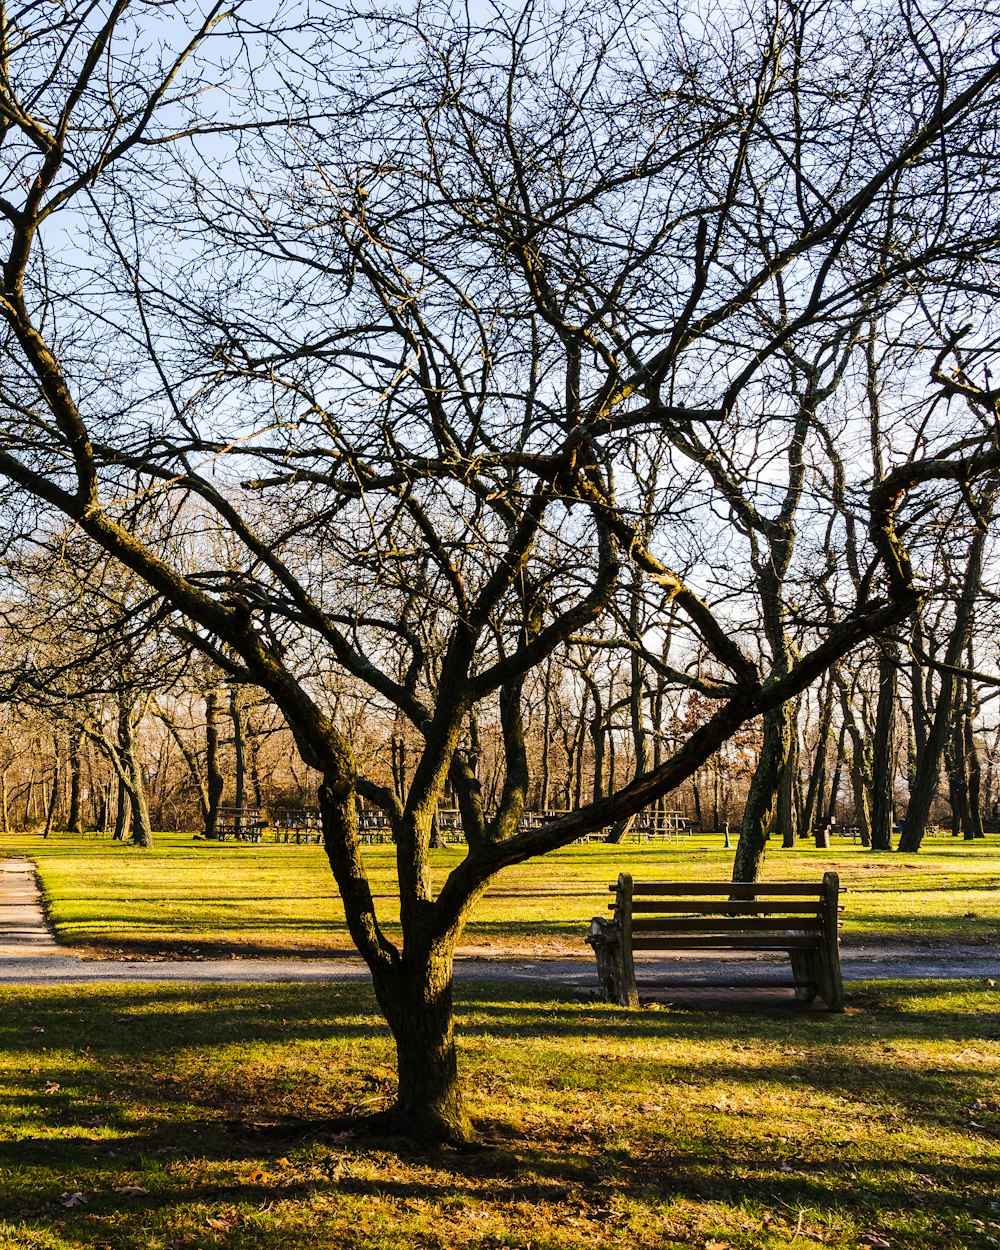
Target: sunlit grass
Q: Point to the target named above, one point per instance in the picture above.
(221, 897)
(658, 1128)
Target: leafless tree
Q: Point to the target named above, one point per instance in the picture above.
(450, 299)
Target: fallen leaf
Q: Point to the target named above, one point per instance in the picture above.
(339, 1138)
(717, 1245)
(53, 1087)
(37, 1028)
(72, 1200)
(130, 1190)
(262, 1177)
(223, 1225)
(876, 1242)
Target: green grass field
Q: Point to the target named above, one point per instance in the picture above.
(188, 896)
(168, 1118)
(177, 1118)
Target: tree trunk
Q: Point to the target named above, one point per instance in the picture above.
(50, 813)
(215, 782)
(812, 814)
(418, 1005)
(123, 812)
(142, 834)
(883, 753)
(974, 771)
(543, 795)
(786, 810)
(413, 988)
(749, 858)
(861, 768)
(239, 748)
(74, 823)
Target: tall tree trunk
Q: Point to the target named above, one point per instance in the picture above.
(838, 775)
(598, 736)
(74, 823)
(543, 796)
(883, 747)
(215, 781)
(786, 823)
(123, 812)
(861, 765)
(640, 744)
(974, 771)
(812, 814)
(53, 804)
(239, 746)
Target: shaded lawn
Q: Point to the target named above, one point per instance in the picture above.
(187, 896)
(661, 1128)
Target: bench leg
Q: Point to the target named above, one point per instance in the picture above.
(806, 974)
(612, 974)
(832, 983)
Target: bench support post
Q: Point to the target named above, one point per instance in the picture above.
(831, 983)
(612, 943)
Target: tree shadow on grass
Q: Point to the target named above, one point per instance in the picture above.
(198, 1071)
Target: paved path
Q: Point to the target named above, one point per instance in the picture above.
(29, 955)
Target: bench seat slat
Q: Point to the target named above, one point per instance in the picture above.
(724, 924)
(737, 889)
(730, 942)
(722, 907)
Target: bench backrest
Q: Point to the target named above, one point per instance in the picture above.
(680, 915)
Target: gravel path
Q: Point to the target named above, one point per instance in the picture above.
(29, 955)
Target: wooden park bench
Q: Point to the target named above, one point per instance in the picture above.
(799, 920)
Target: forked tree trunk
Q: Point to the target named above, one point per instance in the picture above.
(413, 988)
(142, 834)
(974, 770)
(749, 858)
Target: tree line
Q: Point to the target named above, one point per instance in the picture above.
(125, 733)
